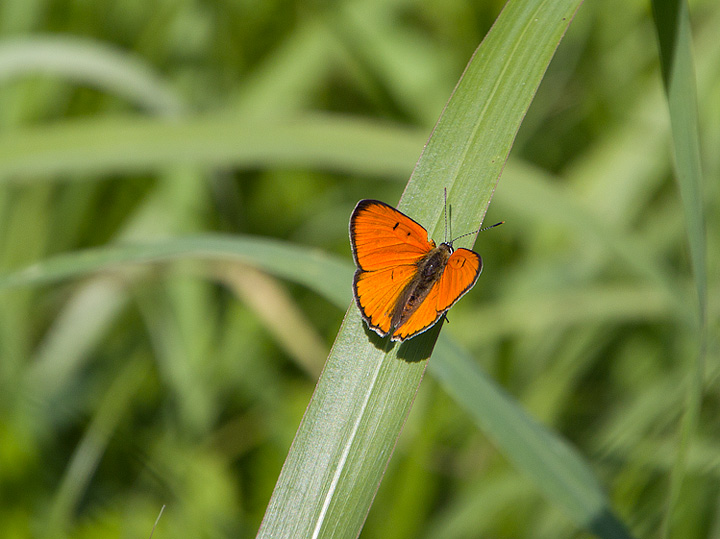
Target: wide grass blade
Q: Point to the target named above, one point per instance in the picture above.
(352, 423)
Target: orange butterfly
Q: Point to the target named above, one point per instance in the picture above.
(404, 284)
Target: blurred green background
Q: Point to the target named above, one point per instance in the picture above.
(181, 383)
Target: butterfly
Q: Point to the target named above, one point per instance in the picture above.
(404, 283)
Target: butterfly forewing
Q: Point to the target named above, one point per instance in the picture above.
(383, 237)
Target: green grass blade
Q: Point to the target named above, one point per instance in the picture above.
(673, 28)
(89, 62)
(124, 144)
(326, 275)
(555, 467)
(352, 423)
(674, 36)
(86, 457)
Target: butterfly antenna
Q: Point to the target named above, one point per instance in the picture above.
(477, 231)
(446, 224)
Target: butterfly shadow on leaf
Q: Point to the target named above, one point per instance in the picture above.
(420, 347)
(413, 350)
(381, 343)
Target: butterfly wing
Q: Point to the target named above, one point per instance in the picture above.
(386, 246)
(382, 237)
(460, 275)
(377, 293)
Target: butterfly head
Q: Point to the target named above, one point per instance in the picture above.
(447, 246)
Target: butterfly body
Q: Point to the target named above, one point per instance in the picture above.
(429, 270)
(404, 283)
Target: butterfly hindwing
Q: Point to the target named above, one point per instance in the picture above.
(425, 316)
(460, 274)
(377, 293)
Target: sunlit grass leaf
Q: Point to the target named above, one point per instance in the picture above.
(352, 423)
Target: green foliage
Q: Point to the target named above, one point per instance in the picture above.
(176, 184)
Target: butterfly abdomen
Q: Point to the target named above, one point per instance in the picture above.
(430, 269)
